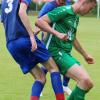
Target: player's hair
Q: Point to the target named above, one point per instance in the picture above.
(88, 1)
(91, 1)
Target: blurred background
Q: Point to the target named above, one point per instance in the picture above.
(37, 4)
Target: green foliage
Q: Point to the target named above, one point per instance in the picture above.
(33, 6)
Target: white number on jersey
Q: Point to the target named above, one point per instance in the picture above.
(70, 32)
(10, 6)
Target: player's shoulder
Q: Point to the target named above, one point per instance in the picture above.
(64, 9)
(68, 9)
(51, 4)
(27, 2)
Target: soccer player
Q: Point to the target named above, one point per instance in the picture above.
(26, 49)
(45, 9)
(65, 21)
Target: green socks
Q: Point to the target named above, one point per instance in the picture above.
(77, 94)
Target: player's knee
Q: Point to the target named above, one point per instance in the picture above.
(51, 65)
(87, 83)
(90, 84)
(42, 79)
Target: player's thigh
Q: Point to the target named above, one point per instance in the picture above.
(65, 62)
(77, 73)
(38, 74)
(51, 65)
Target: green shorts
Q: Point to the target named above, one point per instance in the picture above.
(64, 61)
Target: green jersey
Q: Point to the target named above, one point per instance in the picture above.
(65, 21)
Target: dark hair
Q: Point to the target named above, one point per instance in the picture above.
(91, 1)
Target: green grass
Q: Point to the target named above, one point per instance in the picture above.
(16, 86)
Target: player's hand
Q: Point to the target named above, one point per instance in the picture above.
(62, 36)
(34, 44)
(89, 59)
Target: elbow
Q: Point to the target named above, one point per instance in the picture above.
(38, 22)
(21, 13)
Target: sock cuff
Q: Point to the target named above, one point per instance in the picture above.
(38, 82)
(37, 88)
(81, 90)
(57, 73)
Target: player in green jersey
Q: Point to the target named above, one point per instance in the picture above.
(65, 21)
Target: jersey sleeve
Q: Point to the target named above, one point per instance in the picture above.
(27, 2)
(57, 14)
(47, 8)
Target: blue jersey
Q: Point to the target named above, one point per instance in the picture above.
(14, 28)
(49, 6)
(20, 45)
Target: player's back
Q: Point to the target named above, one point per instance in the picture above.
(12, 23)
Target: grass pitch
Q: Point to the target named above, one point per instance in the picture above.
(16, 86)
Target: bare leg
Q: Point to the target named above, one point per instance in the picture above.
(82, 78)
(51, 65)
(37, 73)
(55, 79)
(38, 85)
(84, 83)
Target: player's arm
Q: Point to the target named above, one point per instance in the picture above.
(52, 17)
(82, 51)
(47, 7)
(43, 23)
(25, 20)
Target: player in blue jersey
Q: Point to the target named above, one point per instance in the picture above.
(45, 9)
(26, 49)
(53, 4)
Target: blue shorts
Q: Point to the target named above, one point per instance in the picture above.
(20, 50)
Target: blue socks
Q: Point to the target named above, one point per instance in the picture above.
(57, 85)
(37, 86)
(65, 80)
